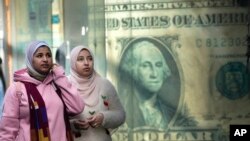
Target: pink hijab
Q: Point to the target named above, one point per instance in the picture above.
(88, 87)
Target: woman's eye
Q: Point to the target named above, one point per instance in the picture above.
(90, 58)
(80, 59)
(39, 56)
(49, 55)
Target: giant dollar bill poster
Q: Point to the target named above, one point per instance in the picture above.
(179, 68)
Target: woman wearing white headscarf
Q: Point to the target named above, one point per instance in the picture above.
(36, 103)
(103, 110)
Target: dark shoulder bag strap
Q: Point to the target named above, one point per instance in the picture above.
(66, 115)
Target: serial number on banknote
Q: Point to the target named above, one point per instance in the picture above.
(220, 42)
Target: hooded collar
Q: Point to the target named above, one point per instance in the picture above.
(23, 75)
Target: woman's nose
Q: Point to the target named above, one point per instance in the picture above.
(45, 58)
(86, 62)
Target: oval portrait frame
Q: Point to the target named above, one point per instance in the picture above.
(170, 92)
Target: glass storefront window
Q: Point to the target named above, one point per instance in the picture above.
(32, 21)
(195, 42)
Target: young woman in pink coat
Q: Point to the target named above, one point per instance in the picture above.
(103, 110)
(37, 103)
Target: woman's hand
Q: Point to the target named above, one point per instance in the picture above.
(96, 120)
(54, 66)
(81, 124)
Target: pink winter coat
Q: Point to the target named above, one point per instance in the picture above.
(15, 120)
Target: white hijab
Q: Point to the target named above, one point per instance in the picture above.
(89, 88)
